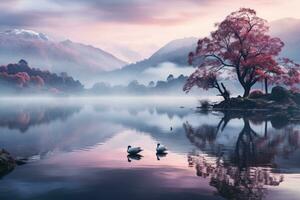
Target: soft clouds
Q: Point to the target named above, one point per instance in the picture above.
(27, 12)
(12, 19)
(138, 11)
(140, 25)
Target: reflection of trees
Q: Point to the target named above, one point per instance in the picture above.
(135, 109)
(22, 118)
(242, 172)
(233, 182)
(206, 134)
(245, 149)
(253, 149)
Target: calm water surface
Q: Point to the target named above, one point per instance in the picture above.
(77, 150)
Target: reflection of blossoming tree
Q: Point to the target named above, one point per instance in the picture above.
(248, 167)
(22, 117)
(233, 182)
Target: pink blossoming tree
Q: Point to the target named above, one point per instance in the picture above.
(241, 47)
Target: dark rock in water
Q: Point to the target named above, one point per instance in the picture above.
(21, 161)
(7, 162)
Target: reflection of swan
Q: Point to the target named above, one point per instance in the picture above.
(160, 149)
(134, 157)
(161, 155)
(133, 150)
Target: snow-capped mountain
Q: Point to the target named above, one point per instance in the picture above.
(25, 34)
(83, 62)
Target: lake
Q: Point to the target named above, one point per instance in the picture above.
(76, 149)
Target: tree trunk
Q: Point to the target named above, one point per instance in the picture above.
(246, 91)
(225, 94)
(266, 86)
(266, 129)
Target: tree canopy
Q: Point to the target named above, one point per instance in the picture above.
(241, 47)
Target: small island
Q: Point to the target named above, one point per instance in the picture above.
(241, 50)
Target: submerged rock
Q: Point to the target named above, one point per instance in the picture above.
(7, 162)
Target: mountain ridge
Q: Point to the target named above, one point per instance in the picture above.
(82, 61)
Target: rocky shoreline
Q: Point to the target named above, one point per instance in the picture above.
(8, 162)
(280, 99)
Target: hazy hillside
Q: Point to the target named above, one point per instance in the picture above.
(171, 56)
(91, 65)
(175, 52)
(83, 62)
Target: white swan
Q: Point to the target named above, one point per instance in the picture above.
(133, 150)
(160, 149)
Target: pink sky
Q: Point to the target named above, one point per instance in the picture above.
(131, 29)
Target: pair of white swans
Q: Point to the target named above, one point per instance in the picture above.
(160, 149)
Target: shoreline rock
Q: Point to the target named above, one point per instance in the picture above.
(8, 162)
(279, 99)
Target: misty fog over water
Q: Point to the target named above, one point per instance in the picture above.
(76, 148)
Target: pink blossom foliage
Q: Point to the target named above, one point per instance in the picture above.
(241, 45)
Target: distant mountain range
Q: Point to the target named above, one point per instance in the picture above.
(175, 54)
(176, 51)
(91, 65)
(84, 62)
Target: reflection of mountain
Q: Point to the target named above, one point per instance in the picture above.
(50, 127)
(152, 119)
(23, 117)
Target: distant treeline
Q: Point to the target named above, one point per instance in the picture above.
(20, 77)
(170, 86)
